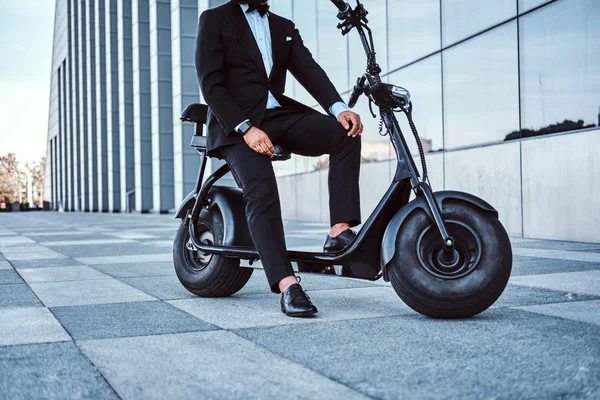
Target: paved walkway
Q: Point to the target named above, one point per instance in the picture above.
(90, 307)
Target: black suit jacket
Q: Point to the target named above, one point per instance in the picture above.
(232, 74)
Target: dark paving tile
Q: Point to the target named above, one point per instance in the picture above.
(50, 371)
(9, 276)
(58, 262)
(557, 245)
(162, 287)
(127, 319)
(502, 353)
(98, 250)
(535, 266)
(130, 270)
(17, 295)
(515, 295)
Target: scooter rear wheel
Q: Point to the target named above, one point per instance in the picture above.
(456, 285)
(207, 275)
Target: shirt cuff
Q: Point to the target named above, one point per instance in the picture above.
(338, 108)
(236, 129)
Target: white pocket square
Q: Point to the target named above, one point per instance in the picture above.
(288, 38)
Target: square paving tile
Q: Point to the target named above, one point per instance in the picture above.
(208, 365)
(585, 282)
(127, 319)
(99, 291)
(29, 325)
(17, 295)
(264, 310)
(502, 353)
(161, 287)
(126, 259)
(9, 276)
(9, 241)
(515, 295)
(137, 269)
(584, 311)
(56, 262)
(60, 274)
(558, 254)
(557, 245)
(537, 266)
(30, 252)
(110, 250)
(50, 371)
(5, 264)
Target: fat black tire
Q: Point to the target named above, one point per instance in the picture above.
(207, 276)
(434, 291)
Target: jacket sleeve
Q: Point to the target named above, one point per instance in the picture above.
(310, 74)
(210, 63)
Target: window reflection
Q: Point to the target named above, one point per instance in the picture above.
(414, 30)
(481, 99)
(333, 47)
(424, 82)
(463, 18)
(374, 146)
(358, 59)
(560, 67)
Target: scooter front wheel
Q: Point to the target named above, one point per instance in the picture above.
(207, 275)
(451, 285)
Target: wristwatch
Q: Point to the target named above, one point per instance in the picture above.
(244, 127)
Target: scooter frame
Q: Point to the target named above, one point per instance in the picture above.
(376, 240)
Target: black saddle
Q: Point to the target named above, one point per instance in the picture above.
(196, 113)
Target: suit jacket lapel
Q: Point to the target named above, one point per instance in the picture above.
(238, 22)
(277, 39)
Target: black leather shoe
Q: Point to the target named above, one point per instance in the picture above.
(340, 241)
(296, 303)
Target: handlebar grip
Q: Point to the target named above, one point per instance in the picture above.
(341, 5)
(354, 97)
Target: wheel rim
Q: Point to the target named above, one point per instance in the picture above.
(197, 259)
(463, 261)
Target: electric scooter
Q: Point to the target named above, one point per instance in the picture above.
(446, 253)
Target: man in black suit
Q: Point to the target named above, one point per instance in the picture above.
(243, 53)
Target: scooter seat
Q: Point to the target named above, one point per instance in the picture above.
(195, 113)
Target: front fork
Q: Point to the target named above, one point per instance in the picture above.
(408, 169)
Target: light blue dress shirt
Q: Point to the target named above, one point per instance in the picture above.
(259, 25)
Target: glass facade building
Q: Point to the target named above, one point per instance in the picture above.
(506, 98)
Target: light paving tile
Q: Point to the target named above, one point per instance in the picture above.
(584, 311)
(50, 371)
(264, 310)
(208, 365)
(56, 262)
(32, 252)
(131, 235)
(53, 233)
(143, 269)
(125, 259)
(60, 274)
(158, 243)
(557, 254)
(73, 293)
(85, 242)
(585, 282)
(14, 241)
(29, 325)
(5, 265)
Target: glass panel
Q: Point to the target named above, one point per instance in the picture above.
(424, 82)
(305, 18)
(414, 30)
(481, 93)
(463, 18)
(560, 67)
(358, 59)
(333, 47)
(525, 5)
(282, 7)
(374, 146)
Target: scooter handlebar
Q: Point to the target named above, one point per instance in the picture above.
(341, 5)
(357, 91)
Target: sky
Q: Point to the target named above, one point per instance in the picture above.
(26, 31)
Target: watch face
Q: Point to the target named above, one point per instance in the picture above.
(245, 127)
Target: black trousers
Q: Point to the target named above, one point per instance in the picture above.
(308, 134)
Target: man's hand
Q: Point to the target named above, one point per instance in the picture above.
(351, 119)
(259, 141)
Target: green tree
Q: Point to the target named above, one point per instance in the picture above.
(10, 178)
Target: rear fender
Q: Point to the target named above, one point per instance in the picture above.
(388, 245)
(228, 201)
